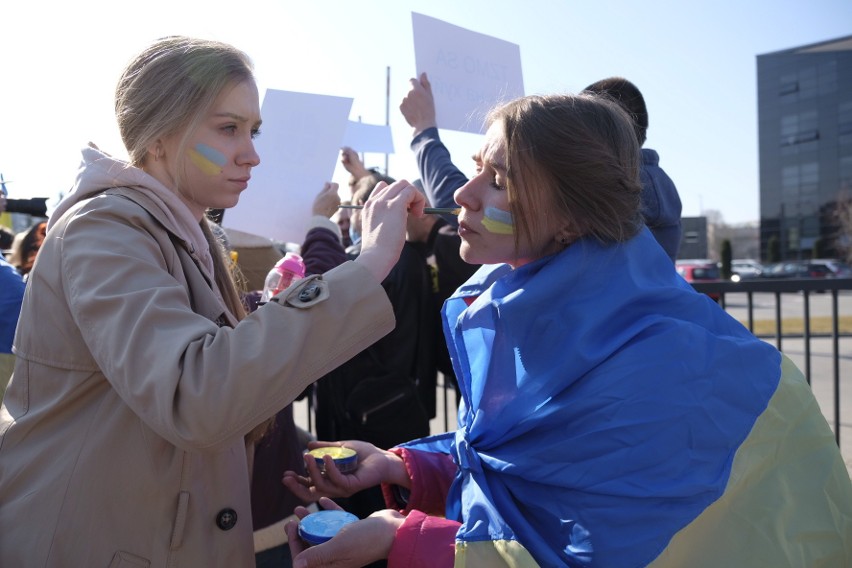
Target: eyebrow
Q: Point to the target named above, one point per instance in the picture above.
(498, 166)
(237, 117)
(493, 164)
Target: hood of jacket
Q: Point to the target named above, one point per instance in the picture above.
(99, 172)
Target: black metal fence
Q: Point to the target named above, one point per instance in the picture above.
(803, 288)
(806, 287)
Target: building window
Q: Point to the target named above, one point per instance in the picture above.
(846, 174)
(799, 128)
(788, 88)
(844, 123)
(828, 77)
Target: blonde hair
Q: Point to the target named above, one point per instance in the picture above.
(167, 90)
(170, 86)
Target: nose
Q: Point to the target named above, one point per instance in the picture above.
(249, 156)
(469, 195)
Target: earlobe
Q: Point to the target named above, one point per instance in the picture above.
(155, 151)
(565, 237)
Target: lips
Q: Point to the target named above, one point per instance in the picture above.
(464, 229)
(241, 182)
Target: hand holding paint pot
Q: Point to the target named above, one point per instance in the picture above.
(374, 466)
(345, 459)
(353, 543)
(322, 526)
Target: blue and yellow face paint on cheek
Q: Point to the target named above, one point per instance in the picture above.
(498, 221)
(208, 159)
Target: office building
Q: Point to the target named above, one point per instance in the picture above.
(804, 97)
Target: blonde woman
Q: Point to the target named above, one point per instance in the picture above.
(138, 376)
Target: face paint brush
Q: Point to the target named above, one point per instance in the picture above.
(431, 210)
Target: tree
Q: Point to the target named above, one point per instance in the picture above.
(773, 249)
(726, 254)
(820, 249)
(843, 238)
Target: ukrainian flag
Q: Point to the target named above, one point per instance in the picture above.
(612, 416)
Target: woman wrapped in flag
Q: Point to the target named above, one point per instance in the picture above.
(611, 415)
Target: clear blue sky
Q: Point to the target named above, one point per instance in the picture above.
(694, 61)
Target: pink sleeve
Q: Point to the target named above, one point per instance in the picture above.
(424, 542)
(431, 476)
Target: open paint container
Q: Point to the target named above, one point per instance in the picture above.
(346, 459)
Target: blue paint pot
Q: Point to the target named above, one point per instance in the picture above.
(321, 526)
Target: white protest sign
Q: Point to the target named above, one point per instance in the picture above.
(368, 137)
(299, 145)
(470, 72)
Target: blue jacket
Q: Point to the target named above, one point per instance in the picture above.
(11, 296)
(661, 205)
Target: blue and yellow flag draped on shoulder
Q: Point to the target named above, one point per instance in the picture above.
(608, 411)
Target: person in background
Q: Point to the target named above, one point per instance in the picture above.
(139, 381)
(25, 247)
(374, 396)
(362, 180)
(438, 174)
(439, 178)
(343, 219)
(438, 244)
(7, 237)
(11, 295)
(611, 415)
(661, 206)
(282, 446)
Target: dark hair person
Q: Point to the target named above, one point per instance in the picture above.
(138, 376)
(610, 414)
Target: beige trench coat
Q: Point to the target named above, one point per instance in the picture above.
(121, 433)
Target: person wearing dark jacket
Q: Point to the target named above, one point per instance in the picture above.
(661, 207)
(375, 395)
(283, 444)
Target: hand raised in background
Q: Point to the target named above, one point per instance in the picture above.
(327, 201)
(352, 162)
(418, 106)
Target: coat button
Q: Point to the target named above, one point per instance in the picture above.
(226, 519)
(309, 293)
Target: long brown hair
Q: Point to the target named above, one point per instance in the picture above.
(571, 159)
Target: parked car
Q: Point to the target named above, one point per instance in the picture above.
(838, 268)
(700, 270)
(797, 269)
(745, 269)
